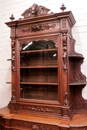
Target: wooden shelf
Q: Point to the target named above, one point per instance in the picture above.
(78, 83)
(26, 67)
(39, 83)
(36, 51)
(76, 57)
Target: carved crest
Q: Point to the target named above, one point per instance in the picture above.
(35, 10)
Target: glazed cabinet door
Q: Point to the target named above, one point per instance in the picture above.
(39, 70)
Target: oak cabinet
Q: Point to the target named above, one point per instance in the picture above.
(46, 73)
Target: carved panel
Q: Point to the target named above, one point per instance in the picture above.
(63, 23)
(38, 27)
(32, 125)
(42, 109)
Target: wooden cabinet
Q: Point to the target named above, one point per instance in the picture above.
(47, 81)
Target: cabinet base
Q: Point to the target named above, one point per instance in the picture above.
(22, 122)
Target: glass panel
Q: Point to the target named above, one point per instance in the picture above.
(39, 92)
(39, 70)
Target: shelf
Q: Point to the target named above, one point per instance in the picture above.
(38, 83)
(26, 67)
(78, 83)
(76, 57)
(36, 51)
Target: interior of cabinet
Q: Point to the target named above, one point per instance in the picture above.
(39, 70)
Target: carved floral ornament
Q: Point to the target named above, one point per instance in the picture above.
(38, 27)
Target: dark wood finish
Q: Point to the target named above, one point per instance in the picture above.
(46, 81)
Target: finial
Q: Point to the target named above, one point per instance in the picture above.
(62, 7)
(12, 17)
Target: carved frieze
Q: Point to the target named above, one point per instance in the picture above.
(43, 109)
(38, 27)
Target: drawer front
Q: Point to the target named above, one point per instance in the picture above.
(27, 125)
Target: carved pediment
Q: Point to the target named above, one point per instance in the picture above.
(35, 10)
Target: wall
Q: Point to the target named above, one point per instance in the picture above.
(17, 7)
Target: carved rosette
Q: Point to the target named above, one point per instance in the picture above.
(64, 41)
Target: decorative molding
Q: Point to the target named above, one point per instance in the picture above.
(41, 109)
(38, 27)
(35, 10)
(64, 40)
